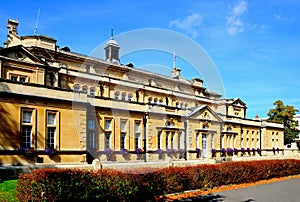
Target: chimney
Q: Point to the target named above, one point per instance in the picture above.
(12, 26)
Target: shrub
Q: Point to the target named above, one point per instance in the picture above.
(144, 184)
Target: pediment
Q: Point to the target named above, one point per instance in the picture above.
(237, 102)
(204, 112)
(20, 53)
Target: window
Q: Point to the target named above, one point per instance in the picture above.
(27, 117)
(159, 140)
(107, 140)
(160, 102)
(123, 96)
(137, 132)
(204, 141)
(85, 89)
(19, 78)
(26, 133)
(179, 140)
(22, 79)
(13, 77)
(177, 104)
(123, 134)
(172, 140)
(167, 139)
(92, 91)
(107, 127)
(76, 87)
(91, 134)
(117, 94)
(130, 97)
(149, 99)
(51, 129)
(155, 100)
(108, 124)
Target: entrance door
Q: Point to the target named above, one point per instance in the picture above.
(204, 145)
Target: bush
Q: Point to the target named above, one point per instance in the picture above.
(143, 184)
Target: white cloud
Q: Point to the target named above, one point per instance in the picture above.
(188, 24)
(234, 22)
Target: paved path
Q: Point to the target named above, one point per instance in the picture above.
(282, 191)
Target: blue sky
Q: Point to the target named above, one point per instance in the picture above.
(254, 44)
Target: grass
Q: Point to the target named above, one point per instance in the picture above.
(8, 190)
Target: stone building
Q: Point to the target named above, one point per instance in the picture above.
(58, 106)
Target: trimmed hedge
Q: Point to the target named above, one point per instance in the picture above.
(143, 184)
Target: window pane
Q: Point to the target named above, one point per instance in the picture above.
(123, 138)
(26, 116)
(91, 124)
(107, 124)
(51, 118)
(51, 138)
(91, 139)
(136, 140)
(107, 140)
(123, 125)
(137, 127)
(26, 136)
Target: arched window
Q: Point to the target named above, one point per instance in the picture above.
(76, 87)
(149, 99)
(155, 100)
(92, 91)
(124, 96)
(160, 102)
(85, 89)
(117, 95)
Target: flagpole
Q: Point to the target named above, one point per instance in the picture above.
(174, 60)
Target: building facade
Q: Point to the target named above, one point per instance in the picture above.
(58, 106)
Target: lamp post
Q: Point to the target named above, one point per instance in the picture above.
(145, 136)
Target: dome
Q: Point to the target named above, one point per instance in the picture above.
(112, 41)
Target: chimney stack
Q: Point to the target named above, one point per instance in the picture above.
(12, 26)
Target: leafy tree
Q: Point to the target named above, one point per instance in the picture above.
(284, 114)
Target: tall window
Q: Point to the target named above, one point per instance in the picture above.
(204, 141)
(197, 140)
(123, 134)
(51, 129)
(172, 140)
(26, 133)
(137, 133)
(91, 136)
(107, 133)
(179, 140)
(167, 139)
(159, 140)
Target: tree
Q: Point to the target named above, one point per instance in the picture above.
(284, 114)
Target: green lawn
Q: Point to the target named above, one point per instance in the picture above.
(8, 190)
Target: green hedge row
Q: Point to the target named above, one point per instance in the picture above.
(143, 184)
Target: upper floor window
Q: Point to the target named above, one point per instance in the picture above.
(19, 78)
(130, 97)
(76, 87)
(117, 94)
(85, 89)
(92, 91)
(123, 96)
